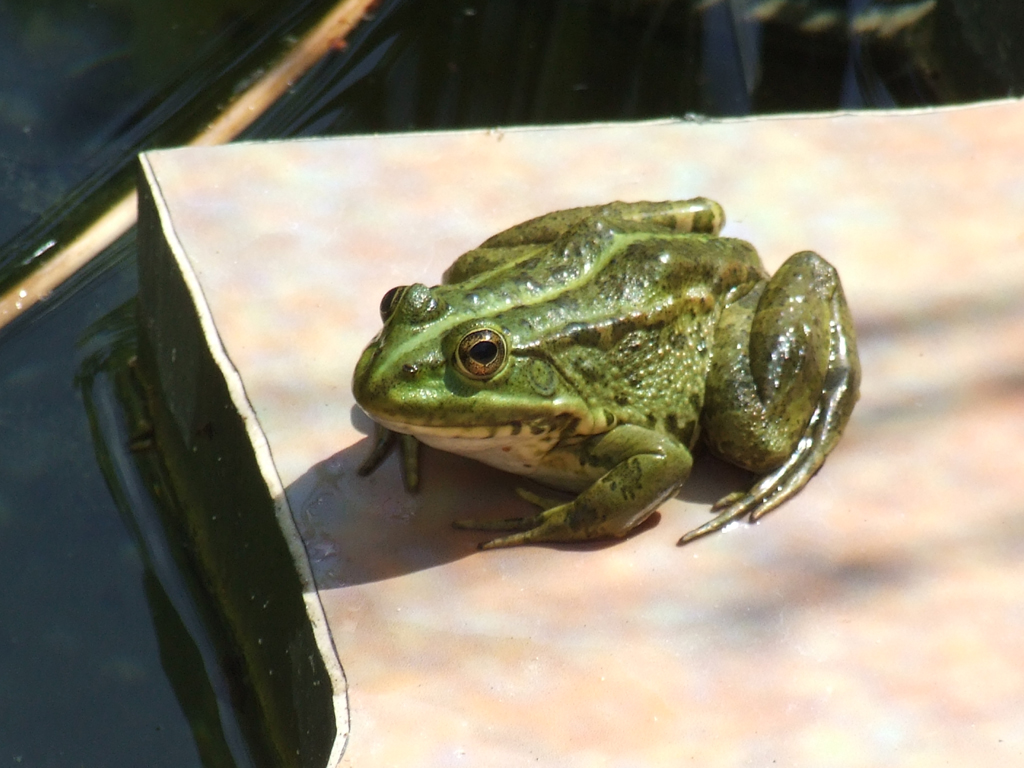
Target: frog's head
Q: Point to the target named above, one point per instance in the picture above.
(438, 372)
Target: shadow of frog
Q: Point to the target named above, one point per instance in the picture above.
(363, 529)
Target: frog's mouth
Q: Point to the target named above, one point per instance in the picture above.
(445, 432)
(515, 447)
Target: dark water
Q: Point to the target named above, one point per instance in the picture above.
(109, 653)
(81, 681)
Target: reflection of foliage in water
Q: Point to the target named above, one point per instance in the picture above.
(80, 670)
(98, 82)
(199, 663)
(449, 64)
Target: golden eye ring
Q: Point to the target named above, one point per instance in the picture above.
(481, 354)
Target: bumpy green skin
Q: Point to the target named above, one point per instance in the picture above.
(614, 337)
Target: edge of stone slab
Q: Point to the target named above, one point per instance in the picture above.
(687, 119)
(222, 470)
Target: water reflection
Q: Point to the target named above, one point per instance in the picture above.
(194, 657)
(80, 666)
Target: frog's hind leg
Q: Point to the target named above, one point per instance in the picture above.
(644, 469)
(783, 382)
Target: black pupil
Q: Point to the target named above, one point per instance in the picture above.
(484, 351)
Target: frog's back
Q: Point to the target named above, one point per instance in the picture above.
(632, 334)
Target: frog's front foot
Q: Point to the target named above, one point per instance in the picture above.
(553, 523)
(646, 469)
(524, 528)
(529, 527)
(384, 440)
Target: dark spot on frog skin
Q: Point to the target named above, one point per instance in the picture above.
(588, 370)
(678, 339)
(568, 426)
(582, 334)
(682, 432)
(632, 480)
(580, 514)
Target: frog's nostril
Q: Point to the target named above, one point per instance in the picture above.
(410, 369)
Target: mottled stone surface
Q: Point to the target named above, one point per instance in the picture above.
(876, 619)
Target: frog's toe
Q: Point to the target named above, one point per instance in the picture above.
(526, 530)
(767, 493)
(506, 541)
(729, 514)
(541, 501)
(512, 523)
(543, 527)
(728, 501)
(504, 524)
(556, 524)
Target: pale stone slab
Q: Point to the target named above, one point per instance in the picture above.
(876, 619)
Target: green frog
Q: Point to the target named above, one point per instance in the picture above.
(591, 349)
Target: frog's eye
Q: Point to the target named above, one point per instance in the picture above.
(481, 353)
(390, 301)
